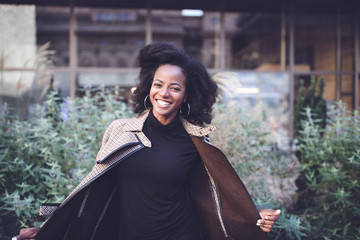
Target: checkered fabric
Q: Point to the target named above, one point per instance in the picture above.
(126, 135)
(47, 209)
(197, 131)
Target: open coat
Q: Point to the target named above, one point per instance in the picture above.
(222, 204)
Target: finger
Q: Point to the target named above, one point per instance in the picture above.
(262, 223)
(22, 237)
(267, 222)
(271, 218)
(270, 212)
(28, 230)
(277, 212)
(264, 226)
(259, 222)
(264, 229)
(27, 233)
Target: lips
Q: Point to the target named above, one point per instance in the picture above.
(163, 103)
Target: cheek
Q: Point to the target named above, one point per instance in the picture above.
(181, 98)
(184, 98)
(151, 93)
(151, 97)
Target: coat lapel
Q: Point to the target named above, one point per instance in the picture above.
(122, 133)
(122, 138)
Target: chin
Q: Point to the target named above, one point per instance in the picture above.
(164, 113)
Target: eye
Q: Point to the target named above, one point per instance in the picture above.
(157, 84)
(176, 89)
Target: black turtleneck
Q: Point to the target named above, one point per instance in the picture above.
(152, 186)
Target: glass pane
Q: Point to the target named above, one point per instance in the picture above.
(188, 32)
(15, 83)
(22, 89)
(52, 26)
(348, 100)
(61, 83)
(347, 90)
(109, 37)
(347, 43)
(18, 36)
(330, 85)
(262, 94)
(251, 40)
(347, 84)
(358, 90)
(256, 42)
(124, 80)
(358, 73)
(15, 92)
(315, 42)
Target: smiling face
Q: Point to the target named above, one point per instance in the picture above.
(167, 92)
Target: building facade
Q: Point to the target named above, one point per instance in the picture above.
(258, 55)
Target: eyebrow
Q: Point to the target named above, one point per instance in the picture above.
(178, 84)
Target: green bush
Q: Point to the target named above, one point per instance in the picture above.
(44, 158)
(313, 100)
(268, 172)
(331, 166)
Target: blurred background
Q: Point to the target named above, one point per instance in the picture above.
(261, 48)
(287, 114)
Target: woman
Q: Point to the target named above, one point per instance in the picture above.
(156, 175)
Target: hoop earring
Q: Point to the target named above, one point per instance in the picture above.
(147, 96)
(188, 112)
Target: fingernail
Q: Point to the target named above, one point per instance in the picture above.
(266, 217)
(258, 222)
(278, 211)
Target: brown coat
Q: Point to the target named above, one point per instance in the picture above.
(222, 204)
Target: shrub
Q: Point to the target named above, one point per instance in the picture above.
(268, 172)
(331, 166)
(313, 100)
(41, 161)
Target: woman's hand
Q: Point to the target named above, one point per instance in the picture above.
(26, 233)
(268, 218)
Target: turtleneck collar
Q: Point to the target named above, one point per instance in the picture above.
(136, 124)
(159, 126)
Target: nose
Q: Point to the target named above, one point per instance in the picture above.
(164, 92)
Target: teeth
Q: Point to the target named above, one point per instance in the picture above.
(163, 103)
